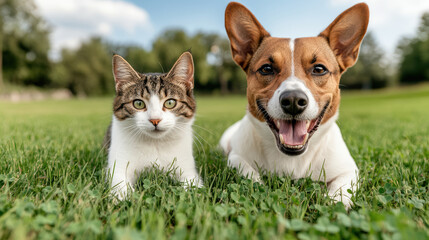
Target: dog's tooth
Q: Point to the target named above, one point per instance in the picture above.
(295, 146)
(282, 141)
(308, 123)
(306, 137)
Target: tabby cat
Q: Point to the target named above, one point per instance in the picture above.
(152, 122)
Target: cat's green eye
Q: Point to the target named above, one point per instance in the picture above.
(170, 103)
(139, 104)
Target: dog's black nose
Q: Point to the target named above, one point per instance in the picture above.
(293, 102)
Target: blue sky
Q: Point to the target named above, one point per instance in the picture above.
(290, 19)
(140, 22)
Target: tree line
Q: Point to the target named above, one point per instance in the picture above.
(86, 71)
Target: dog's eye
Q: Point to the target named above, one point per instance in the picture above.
(319, 70)
(266, 69)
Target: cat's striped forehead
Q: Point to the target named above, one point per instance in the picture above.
(150, 84)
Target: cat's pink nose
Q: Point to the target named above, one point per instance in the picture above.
(155, 122)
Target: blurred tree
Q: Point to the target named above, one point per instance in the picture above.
(414, 52)
(423, 31)
(142, 60)
(168, 46)
(85, 71)
(24, 44)
(227, 74)
(214, 67)
(172, 43)
(369, 71)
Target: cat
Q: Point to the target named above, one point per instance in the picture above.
(152, 122)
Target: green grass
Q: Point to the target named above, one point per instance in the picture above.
(52, 178)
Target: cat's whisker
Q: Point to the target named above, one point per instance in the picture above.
(131, 128)
(202, 128)
(134, 136)
(184, 131)
(199, 138)
(198, 135)
(200, 146)
(205, 129)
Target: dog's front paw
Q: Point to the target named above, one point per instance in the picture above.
(192, 182)
(341, 196)
(255, 178)
(120, 192)
(118, 195)
(347, 202)
(342, 189)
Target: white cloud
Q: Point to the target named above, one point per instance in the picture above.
(384, 11)
(391, 19)
(76, 20)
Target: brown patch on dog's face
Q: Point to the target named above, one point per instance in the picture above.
(274, 52)
(311, 53)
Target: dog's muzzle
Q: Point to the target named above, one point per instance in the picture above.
(293, 102)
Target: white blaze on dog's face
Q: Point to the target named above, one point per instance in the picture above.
(293, 84)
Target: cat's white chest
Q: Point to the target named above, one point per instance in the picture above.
(130, 154)
(137, 152)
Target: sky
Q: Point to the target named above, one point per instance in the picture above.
(140, 22)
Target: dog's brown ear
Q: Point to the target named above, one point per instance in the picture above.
(345, 34)
(244, 31)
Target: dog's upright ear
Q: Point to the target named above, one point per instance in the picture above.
(345, 34)
(244, 31)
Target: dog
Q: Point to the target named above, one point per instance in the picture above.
(293, 99)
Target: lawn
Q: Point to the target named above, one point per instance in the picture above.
(52, 178)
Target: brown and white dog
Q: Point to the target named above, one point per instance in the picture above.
(293, 98)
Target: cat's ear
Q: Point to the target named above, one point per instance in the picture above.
(122, 70)
(183, 70)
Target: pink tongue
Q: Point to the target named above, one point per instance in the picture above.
(293, 133)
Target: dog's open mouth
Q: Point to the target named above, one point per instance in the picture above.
(292, 135)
